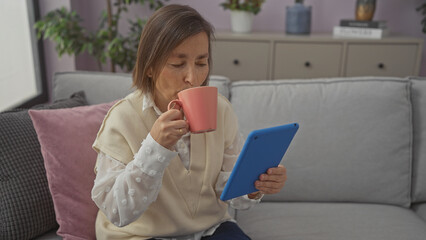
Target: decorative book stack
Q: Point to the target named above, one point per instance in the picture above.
(361, 29)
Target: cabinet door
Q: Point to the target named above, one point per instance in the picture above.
(398, 60)
(241, 60)
(307, 60)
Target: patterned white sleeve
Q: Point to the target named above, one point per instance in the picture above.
(123, 192)
(229, 158)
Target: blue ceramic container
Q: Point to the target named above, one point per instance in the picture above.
(298, 19)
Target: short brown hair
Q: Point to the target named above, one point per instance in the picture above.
(165, 30)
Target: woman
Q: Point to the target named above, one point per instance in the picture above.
(154, 178)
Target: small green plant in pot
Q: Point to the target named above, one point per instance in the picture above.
(253, 6)
(242, 13)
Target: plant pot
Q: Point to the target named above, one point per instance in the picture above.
(241, 21)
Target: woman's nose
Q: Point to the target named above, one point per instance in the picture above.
(190, 76)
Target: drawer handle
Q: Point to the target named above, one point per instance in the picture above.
(236, 62)
(381, 65)
(307, 64)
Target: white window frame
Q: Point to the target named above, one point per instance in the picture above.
(22, 73)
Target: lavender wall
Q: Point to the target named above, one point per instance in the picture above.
(53, 62)
(401, 16)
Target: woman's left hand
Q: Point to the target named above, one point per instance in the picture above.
(272, 181)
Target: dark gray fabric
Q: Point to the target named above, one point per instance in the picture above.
(330, 221)
(26, 204)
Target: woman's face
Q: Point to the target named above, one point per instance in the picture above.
(186, 67)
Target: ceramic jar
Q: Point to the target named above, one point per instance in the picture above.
(298, 19)
(364, 10)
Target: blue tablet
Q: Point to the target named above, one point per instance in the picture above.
(263, 149)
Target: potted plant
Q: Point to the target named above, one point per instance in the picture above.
(242, 13)
(106, 43)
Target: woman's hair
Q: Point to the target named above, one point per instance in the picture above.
(165, 30)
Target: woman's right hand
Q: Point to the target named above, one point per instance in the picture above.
(169, 128)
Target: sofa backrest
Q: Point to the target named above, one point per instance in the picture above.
(354, 141)
(419, 147)
(101, 87)
(353, 144)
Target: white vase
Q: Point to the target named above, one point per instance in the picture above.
(241, 21)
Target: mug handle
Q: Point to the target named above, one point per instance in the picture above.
(175, 104)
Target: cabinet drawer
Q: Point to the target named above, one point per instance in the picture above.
(381, 60)
(241, 60)
(307, 60)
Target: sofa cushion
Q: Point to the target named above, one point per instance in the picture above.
(118, 85)
(66, 137)
(419, 143)
(354, 140)
(331, 221)
(25, 200)
(420, 210)
(51, 235)
(222, 83)
(100, 87)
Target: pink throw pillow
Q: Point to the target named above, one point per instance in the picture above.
(66, 137)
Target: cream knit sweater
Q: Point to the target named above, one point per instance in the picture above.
(187, 201)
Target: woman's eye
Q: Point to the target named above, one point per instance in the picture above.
(202, 64)
(178, 65)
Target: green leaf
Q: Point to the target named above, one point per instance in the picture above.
(90, 48)
(253, 6)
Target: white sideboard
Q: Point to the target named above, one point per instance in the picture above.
(258, 56)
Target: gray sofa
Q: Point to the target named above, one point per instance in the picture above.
(356, 168)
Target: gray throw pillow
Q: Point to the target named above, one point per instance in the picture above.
(25, 201)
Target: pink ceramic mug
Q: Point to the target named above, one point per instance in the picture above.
(199, 105)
